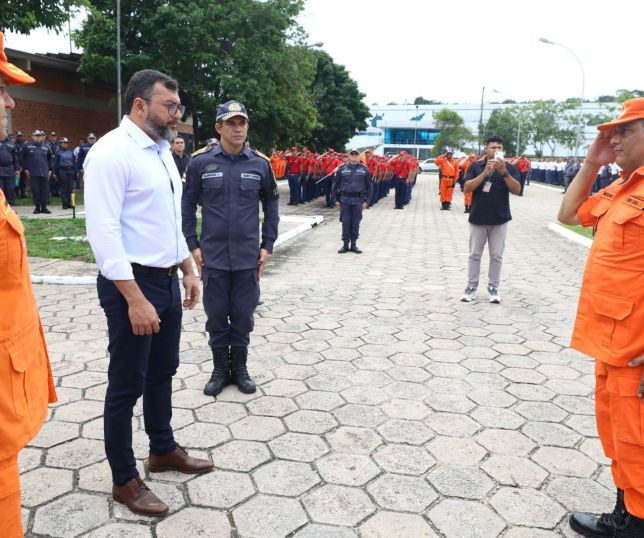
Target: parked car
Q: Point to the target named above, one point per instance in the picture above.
(428, 166)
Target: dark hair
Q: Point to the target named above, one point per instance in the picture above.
(494, 138)
(142, 85)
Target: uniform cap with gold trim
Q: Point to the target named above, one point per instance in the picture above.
(13, 74)
(231, 109)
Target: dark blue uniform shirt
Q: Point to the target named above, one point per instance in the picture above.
(231, 188)
(82, 153)
(9, 161)
(64, 160)
(37, 158)
(352, 184)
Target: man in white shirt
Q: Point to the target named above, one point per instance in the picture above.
(133, 203)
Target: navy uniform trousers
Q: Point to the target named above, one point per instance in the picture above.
(66, 185)
(8, 186)
(230, 299)
(40, 190)
(350, 215)
(140, 365)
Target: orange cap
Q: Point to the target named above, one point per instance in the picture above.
(633, 110)
(13, 74)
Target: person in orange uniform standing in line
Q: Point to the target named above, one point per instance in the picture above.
(610, 316)
(464, 165)
(448, 174)
(26, 384)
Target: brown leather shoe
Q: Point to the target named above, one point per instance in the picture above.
(139, 499)
(178, 460)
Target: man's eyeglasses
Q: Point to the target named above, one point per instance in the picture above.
(173, 108)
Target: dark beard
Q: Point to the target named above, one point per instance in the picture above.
(161, 131)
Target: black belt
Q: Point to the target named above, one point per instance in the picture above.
(167, 271)
(353, 194)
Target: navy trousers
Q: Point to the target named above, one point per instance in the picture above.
(401, 191)
(66, 185)
(294, 189)
(40, 190)
(140, 365)
(8, 186)
(350, 215)
(230, 299)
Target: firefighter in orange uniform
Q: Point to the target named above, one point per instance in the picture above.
(448, 174)
(610, 316)
(464, 165)
(26, 385)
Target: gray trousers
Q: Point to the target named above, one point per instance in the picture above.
(494, 235)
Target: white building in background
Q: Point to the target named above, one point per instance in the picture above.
(411, 128)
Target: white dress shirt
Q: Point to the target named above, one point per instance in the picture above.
(133, 203)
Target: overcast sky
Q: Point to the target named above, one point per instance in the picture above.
(448, 50)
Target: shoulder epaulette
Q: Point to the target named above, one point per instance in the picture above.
(260, 154)
(202, 150)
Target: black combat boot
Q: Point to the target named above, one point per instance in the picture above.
(221, 374)
(43, 209)
(37, 209)
(238, 371)
(634, 528)
(354, 248)
(345, 248)
(603, 526)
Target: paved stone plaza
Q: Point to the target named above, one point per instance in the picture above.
(386, 407)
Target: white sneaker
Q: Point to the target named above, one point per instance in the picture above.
(468, 295)
(494, 294)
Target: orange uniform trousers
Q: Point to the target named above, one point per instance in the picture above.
(446, 189)
(467, 198)
(620, 423)
(10, 516)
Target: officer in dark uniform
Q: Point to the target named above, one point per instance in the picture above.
(82, 153)
(231, 180)
(22, 184)
(180, 156)
(9, 167)
(352, 188)
(54, 187)
(36, 159)
(65, 172)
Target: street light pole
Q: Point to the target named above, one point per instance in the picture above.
(118, 62)
(581, 127)
(518, 121)
(481, 119)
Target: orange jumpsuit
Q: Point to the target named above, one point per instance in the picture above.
(610, 327)
(467, 197)
(448, 173)
(275, 165)
(26, 384)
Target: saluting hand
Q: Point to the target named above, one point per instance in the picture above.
(636, 363)
(601, 151)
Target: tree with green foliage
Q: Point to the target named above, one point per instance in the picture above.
(229, 49)
(23, 16)
(507, 123)
(453, 133)
(339, 103)
(541, 124)
(423, 101)
(625, 95)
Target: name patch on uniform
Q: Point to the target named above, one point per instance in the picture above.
(360, 172)
(212, 174)
(608, 195)
(251, 176)
(635, 201)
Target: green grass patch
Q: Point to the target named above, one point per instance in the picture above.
(53, 200)
(39, 233)
(581, 230)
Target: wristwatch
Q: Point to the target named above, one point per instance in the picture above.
(505, 175)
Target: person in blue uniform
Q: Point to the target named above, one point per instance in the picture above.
(65, 171)
(351, 189)
(51, 141)
(231, 180)
(9, 167)
(36, 159)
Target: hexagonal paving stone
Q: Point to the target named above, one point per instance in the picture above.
(405, 409)
(314, 530)
(54, 432)
(288, 388)
(514, 471)
(360, 415)
(338, 505)
(449, 402)
(310, 422)
(347, 469)
(403, 459)
(505, 442)
(407, 391)
(517, 532)
(71, 515)
(541, 411)
(527, 507)
(496, 417)
(221, 412)
(190, 398)
(364, 395)
(298, 447)
(43, 484)
(80, 411)
(319, 400)
(465, 519)
(264, 517)
(565, 461)
(354, 440)
(120, 530)
(257, 428)
(412, 432)
(402, 493)
(220, 489)
(329, 382)
(462, 481)
(582, 495)
(492, 398)
(75, 454)
(98, 477)
(552, 434)
(462, 451)
(288, 478)
(240, 455)
(194, 522)
(202, 435)
(452, 425)
(388, 524)
(535, 393)
(272, 406)
(28, 459)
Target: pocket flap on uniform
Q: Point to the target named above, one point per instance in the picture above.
(627, 386)
(612, 307)
(628, 214)
(250, 185)
(23, 354)
(601, 208)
